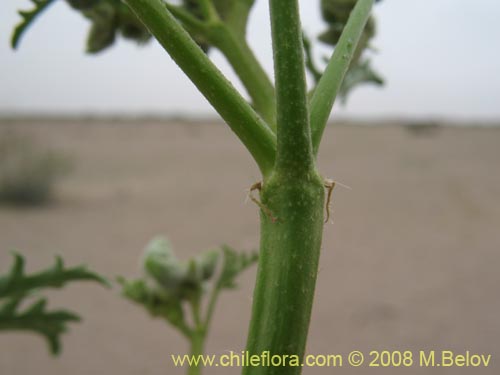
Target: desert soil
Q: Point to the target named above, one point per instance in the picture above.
(411, 261)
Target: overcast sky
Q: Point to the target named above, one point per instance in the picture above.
(440, 59)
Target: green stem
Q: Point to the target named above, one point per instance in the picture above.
(249, 70)
(292, 226)
(230, 40)
(208, 10)
(195, 307)
(288, 264)
(243, 120)
(329, 85)
(236, 17)
(197, 349)
(198, 333)
(190, 22)
(184, 329)
(294, 148)
(211, 307)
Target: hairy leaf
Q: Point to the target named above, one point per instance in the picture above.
(157, 303)
(234, 264)
(180, 279)
(169, 284)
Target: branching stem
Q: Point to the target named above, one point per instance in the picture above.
(329, 85)
(239, 115)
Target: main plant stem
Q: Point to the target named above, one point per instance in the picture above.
(291, 228)
(292, 193)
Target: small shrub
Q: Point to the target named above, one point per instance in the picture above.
(28, 171)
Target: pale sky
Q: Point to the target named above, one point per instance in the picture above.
(440, 59)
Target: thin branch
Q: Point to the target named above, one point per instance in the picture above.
(233, 108)
(211, 307)
(249, 70)
(330, 84)
(233, 45)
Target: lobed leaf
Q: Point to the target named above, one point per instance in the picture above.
(36, 318)
(16, 286)
(17, 283)
(168, 284)
(28, 17)
(108, 19)
(157, 303)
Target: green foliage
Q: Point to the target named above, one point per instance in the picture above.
(234, 264)
(359, 74)
(284, 143)
(36, 318)
(169, 286)
(28, 17)
(109, 18)
(27, 171)
(17, 283)
(16, 287)
(336, 14)
(176, 278)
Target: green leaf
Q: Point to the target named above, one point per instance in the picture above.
(234, 264)
(83, 4)
(108, 18)
(50, 324)
(336, 11)
(361, 73)
(161, 264)
(156, 303)
(102, 33)
(16, 286)
(28, 17)
(17, 283)
(170, 286)
(180, 279)
(206, 264)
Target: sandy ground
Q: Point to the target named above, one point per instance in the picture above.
(411, 262)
